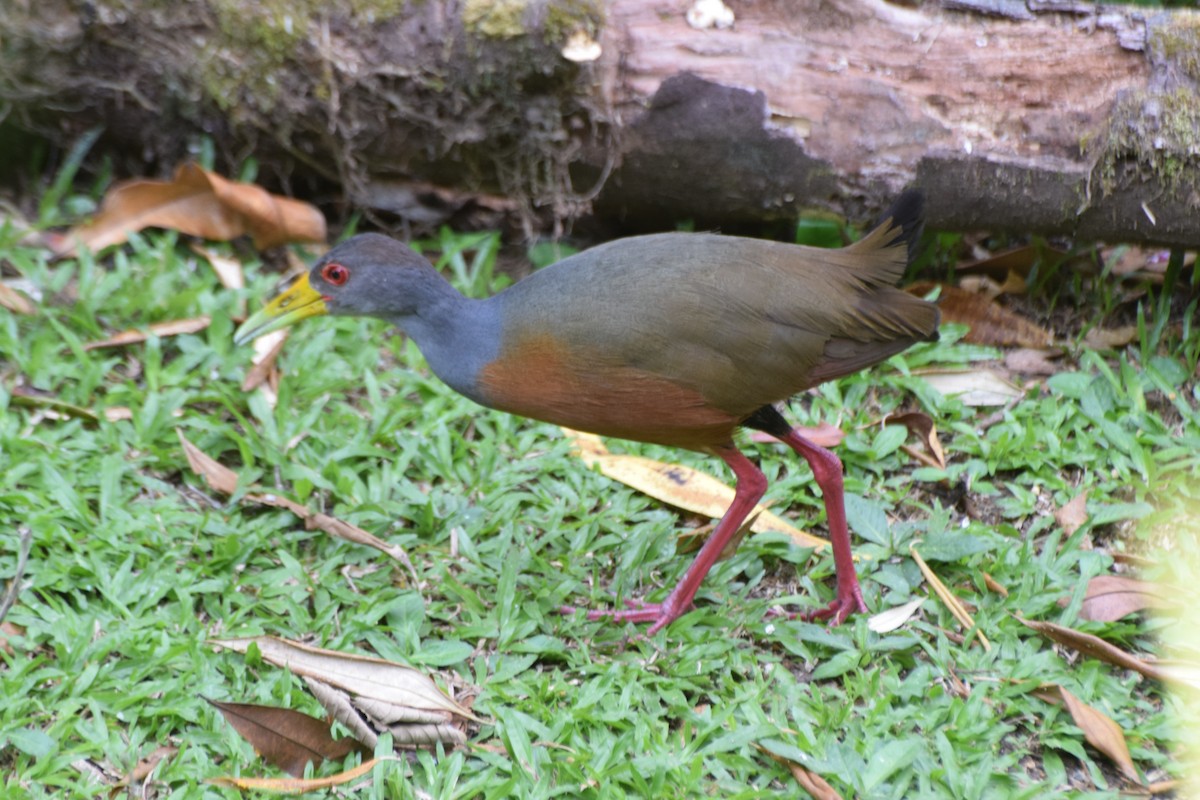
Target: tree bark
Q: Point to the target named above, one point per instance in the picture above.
(1052, 116)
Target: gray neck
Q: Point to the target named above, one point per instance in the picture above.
(458, 337)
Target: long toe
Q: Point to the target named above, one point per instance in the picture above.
(838, 611)
(658, 614)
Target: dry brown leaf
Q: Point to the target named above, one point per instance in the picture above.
(279, 501)
(335, 527)
(1111, 597)
(285, 738)
(1094, 646)
(1100, 731)
(921, 425)
(947, 597)
(353, 533)
(174, 327)
(15, 302)
(198, 203)
(223, 479)
(679, 486)
(816, 786)
(216, 475)
(994, 585)
(1033, 361)
(295, 785)
(361, 676)
(1110, 338)
(975, 387)
(989, 323)
(1071, 516)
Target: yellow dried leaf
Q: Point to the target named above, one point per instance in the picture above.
(947, 597)
(295, 785)
(680, 486)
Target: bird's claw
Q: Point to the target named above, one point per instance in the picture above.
(837, 611)
(658, 614)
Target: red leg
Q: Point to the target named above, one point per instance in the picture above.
(827, 470)
(749, 488)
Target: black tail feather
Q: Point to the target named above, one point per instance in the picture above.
(907, 214)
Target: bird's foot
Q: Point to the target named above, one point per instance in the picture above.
(836, 612)
(658, 614)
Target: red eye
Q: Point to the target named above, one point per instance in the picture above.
(335, 274)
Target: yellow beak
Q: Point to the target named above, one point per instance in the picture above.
(293, 304)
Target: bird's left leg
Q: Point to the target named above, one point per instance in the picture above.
(827, 471)
(750, 486)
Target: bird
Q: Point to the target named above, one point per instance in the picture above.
(676, 339)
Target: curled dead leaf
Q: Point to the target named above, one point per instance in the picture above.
(199, 203)
(367, 718)
(921, 425)
(411, 695)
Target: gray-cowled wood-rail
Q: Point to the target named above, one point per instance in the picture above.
(672, 338)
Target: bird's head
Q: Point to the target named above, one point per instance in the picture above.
(367, 276)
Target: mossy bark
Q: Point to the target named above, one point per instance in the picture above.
(469, 112)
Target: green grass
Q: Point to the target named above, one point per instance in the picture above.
(135, 563)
